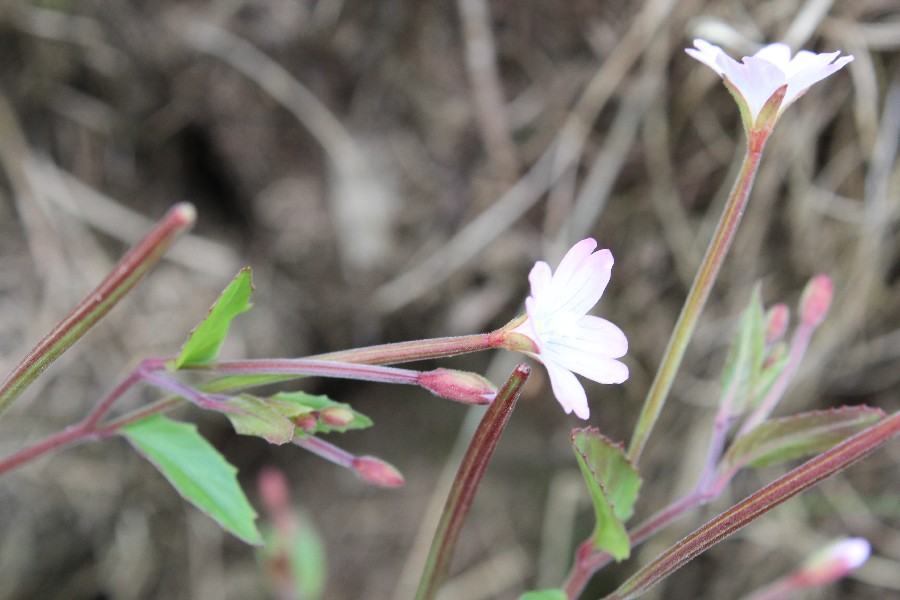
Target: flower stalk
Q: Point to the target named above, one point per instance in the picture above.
(132, 267)
(695, 302)
(469, 475)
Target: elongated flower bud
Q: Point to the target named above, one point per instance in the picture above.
(832, 562)
(816, 300)
(462, 386)
(377, 472)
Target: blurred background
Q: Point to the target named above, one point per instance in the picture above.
(391, 170)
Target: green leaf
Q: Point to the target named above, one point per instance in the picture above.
(779, 440)
(197, 471)
(298, 404)
(275, 418)
(259, 418)
(743, 366)
(204, 342)
(544, 595)
(613, 483)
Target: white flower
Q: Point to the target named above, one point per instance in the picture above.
(563, 336)
(758, 77)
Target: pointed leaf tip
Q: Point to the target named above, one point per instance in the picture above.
(613, 483)
(197, 471)
(204, 342)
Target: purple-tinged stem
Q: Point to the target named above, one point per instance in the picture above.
(799, 345)
(88, 427)
(127, 272)
(323, 449)
(696, 300)
(469, 475)
(401, 352)
(800, 479)
(312, 368)
(588, 561)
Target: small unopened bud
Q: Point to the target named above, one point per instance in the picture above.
(816, 300)
(833, 562)
(777, 320)
(306, 422)
(461, 386)
(336, 416)
(273, 490)
(377, 472)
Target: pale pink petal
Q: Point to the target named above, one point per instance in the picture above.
(596, 368)
(778, 54)
(578, 289)
(757, 77)
(708, 54)
(572, 266)
(596, 335)
(803, 80)
(540, 278)
(756, 80)
(568, 390)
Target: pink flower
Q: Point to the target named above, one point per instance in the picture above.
(756, 79)
(561, 334)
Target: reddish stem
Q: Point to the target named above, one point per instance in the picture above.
(127, 272)
(800, 479)
(469, 475)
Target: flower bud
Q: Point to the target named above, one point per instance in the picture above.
(336, 416)
(777, 320)
(833, 562)
(816, 300)
(377, 472)
(462, 386)
(306, 422)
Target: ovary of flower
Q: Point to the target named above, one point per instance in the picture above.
(756, 78)
(564, 337)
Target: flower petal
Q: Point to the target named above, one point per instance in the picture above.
(577, 287)
(540, 278)
(568, 390)
(596, 368)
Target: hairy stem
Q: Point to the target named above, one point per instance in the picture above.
(465, 485)
(800, 479)
(127, 272)
(693, 306)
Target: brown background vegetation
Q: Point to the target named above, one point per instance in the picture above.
(341, 149)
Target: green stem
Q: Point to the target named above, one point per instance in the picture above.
(786, 487)
(127, 272)
(470, 472)
(696, 300)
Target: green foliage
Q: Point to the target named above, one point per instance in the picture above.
(197, 471)
(779, 440)
(613, 483)
(743, 366)
(544, 595)
(275, 419)
(204, 342)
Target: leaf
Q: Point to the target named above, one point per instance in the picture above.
(297, 404)
(779, 440)
(259, 418)
(197, 471)
(275, 418)
(204, 342)
(613, 483)
(544, 595)
(746, 355)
